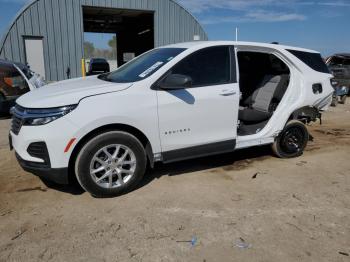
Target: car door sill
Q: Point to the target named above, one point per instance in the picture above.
(199, 151)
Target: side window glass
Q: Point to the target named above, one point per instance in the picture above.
(16, 81)
(206, 67)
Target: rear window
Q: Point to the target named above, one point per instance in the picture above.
(98, 60)
(313, 60)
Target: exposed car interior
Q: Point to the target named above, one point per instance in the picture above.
(264, 79)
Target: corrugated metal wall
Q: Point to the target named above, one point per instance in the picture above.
(60, 23)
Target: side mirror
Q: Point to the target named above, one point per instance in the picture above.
(175, 81)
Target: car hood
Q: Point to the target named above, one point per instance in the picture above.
(68, 92)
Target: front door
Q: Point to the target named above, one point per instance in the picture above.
(201, 120)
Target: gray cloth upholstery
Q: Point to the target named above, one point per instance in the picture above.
(249, 115)
(262, 97)
(265, 99)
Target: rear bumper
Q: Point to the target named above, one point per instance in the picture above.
(57, 175)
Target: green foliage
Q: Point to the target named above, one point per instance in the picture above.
(89, 49)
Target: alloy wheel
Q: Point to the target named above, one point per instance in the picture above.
(113, 166)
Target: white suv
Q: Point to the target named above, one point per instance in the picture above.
(171, 103)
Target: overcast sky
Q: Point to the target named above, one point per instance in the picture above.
(323, 25)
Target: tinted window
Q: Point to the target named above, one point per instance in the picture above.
(143, 66)
(99, 60)
(210, 66)
(313, 60)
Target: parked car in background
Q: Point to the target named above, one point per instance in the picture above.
(172, 103)
(339, 65)
(98, 66)
(15, 80)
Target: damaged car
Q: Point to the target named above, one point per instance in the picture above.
(172, 103)
(339, 65)
(15, 80)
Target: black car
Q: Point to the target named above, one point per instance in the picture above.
(12, 84)
(98, 66)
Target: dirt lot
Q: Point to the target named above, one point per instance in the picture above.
(294, 210)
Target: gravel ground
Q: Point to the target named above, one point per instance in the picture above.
(245, 206)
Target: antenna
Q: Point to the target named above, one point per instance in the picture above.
(236, 34)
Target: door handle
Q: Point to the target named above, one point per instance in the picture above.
(228, 92)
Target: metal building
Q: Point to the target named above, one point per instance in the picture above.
(49, 34)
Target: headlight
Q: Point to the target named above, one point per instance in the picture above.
(39, 117)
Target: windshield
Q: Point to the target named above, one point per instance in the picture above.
(98, 60)
(143, 66)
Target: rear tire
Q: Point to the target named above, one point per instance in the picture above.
(292, 141)
(343, 99)
(111, 164)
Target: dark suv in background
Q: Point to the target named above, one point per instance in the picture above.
(339, 65)
(98, 66)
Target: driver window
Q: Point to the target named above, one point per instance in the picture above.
(206, 67)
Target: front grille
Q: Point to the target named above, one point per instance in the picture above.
(16, 124)
(39, 150)
(17, 119)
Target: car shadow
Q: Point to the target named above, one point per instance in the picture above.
(237, 160)
(73, 188)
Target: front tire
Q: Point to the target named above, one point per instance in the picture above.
(111, 164)
(292, 141)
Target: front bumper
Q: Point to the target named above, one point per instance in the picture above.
(57, 175)
(55, 135)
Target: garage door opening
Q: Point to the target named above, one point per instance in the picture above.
(134, 29)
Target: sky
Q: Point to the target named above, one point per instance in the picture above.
(322, 25)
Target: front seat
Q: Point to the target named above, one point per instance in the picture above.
(264, 101)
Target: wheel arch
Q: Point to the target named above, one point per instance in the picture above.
(305, 114)
(106, 128)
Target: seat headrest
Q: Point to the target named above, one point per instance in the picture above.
(273, 79)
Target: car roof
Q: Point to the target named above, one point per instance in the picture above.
(10, 63)
(98, 58)
(345, 55)
(202, 44)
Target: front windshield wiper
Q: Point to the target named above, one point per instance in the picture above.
(104, 77)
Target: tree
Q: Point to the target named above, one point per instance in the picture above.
(113, 42)
(89, 49)
(113, 45)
